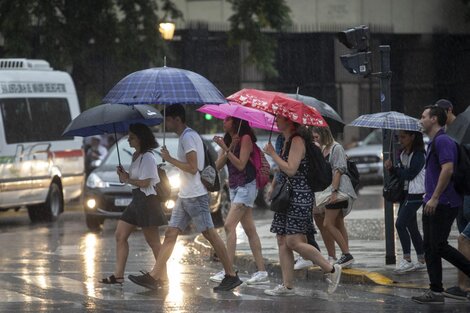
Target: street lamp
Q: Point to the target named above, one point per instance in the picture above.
(167, 29)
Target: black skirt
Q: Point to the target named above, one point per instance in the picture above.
(144, 211)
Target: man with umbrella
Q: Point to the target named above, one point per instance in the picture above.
(192, 203)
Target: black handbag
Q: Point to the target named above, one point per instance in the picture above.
(394, 189)
(281, 197)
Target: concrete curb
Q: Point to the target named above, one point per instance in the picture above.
(352, 276)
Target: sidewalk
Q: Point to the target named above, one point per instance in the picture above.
(367, 245)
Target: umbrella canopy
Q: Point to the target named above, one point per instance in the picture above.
(164, 85)
(255, 118)
(325, 110)
(387, 120)
(459, 130)
(279, 104)
(110, 118)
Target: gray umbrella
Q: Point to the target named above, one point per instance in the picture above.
(331, 116)
(460, 128)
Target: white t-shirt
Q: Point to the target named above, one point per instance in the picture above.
(144, 167)
(191, 185)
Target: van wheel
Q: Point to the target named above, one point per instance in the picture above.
(50, 210)
(94, 222)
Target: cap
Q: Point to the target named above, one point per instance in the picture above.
(444, 103)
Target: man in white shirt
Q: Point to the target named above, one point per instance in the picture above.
(192, 203)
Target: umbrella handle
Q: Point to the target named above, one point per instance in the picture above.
(164, 124)
(117, 146)
(272, 127)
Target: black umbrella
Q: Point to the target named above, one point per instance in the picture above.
(109, 118)
(460, 128)
(332, 117)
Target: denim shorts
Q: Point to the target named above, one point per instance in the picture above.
(195, 209)
(245, 194)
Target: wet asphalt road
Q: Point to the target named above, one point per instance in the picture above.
(56, 267)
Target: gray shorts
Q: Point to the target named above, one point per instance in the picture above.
(195, 209)
(245, 194)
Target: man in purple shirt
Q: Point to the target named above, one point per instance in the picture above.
(441, 204)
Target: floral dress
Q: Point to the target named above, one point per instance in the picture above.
(298, 218)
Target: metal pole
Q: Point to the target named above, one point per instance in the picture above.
(385, 99)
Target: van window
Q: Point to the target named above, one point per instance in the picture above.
(34, 119)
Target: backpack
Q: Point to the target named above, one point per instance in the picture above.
(261, 164)
(163, 187)
(319, 173)
(461, 175)
(351, 171)
(209, 175)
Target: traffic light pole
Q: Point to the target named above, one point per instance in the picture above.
(385, 100)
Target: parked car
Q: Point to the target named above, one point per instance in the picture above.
(105, 197)
(368, 157)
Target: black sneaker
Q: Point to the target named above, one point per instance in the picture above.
(429, 297)
(228, 283)
(345, 260)
(455, 293)
(146, 281)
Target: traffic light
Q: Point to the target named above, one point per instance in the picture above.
(357, 39)
(207, 117)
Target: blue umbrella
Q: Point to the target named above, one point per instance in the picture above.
(387, 120)
(109, 118)
(164, 85)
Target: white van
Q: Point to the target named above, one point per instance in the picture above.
(39, 169)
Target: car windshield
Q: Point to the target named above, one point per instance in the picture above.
(125, 151)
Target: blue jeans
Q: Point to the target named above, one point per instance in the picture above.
(436, 229)
(407, 225)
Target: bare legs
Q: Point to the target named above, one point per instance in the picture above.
(241, 214)
(464, 248)
(334, 224)
(122, 233)
(298, 243)
(171, 235)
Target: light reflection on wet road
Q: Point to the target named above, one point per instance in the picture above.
(56, 267)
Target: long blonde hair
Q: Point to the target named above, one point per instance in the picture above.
(326, 137)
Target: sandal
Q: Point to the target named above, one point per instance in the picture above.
(112, 280)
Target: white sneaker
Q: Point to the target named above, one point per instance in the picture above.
(418, 266)
(332, 260)
(301, 263)
(281, 291)
(404, 266)
(334, 279)
(260, 277)
(217, 278)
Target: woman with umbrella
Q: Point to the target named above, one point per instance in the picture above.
(292, 226)
(410, 168)
(236, 148)
(144, 210)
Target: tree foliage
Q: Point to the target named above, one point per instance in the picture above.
(251, 20)
(86, 37)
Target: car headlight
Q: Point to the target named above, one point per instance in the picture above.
(175, 181)
(94, 181)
